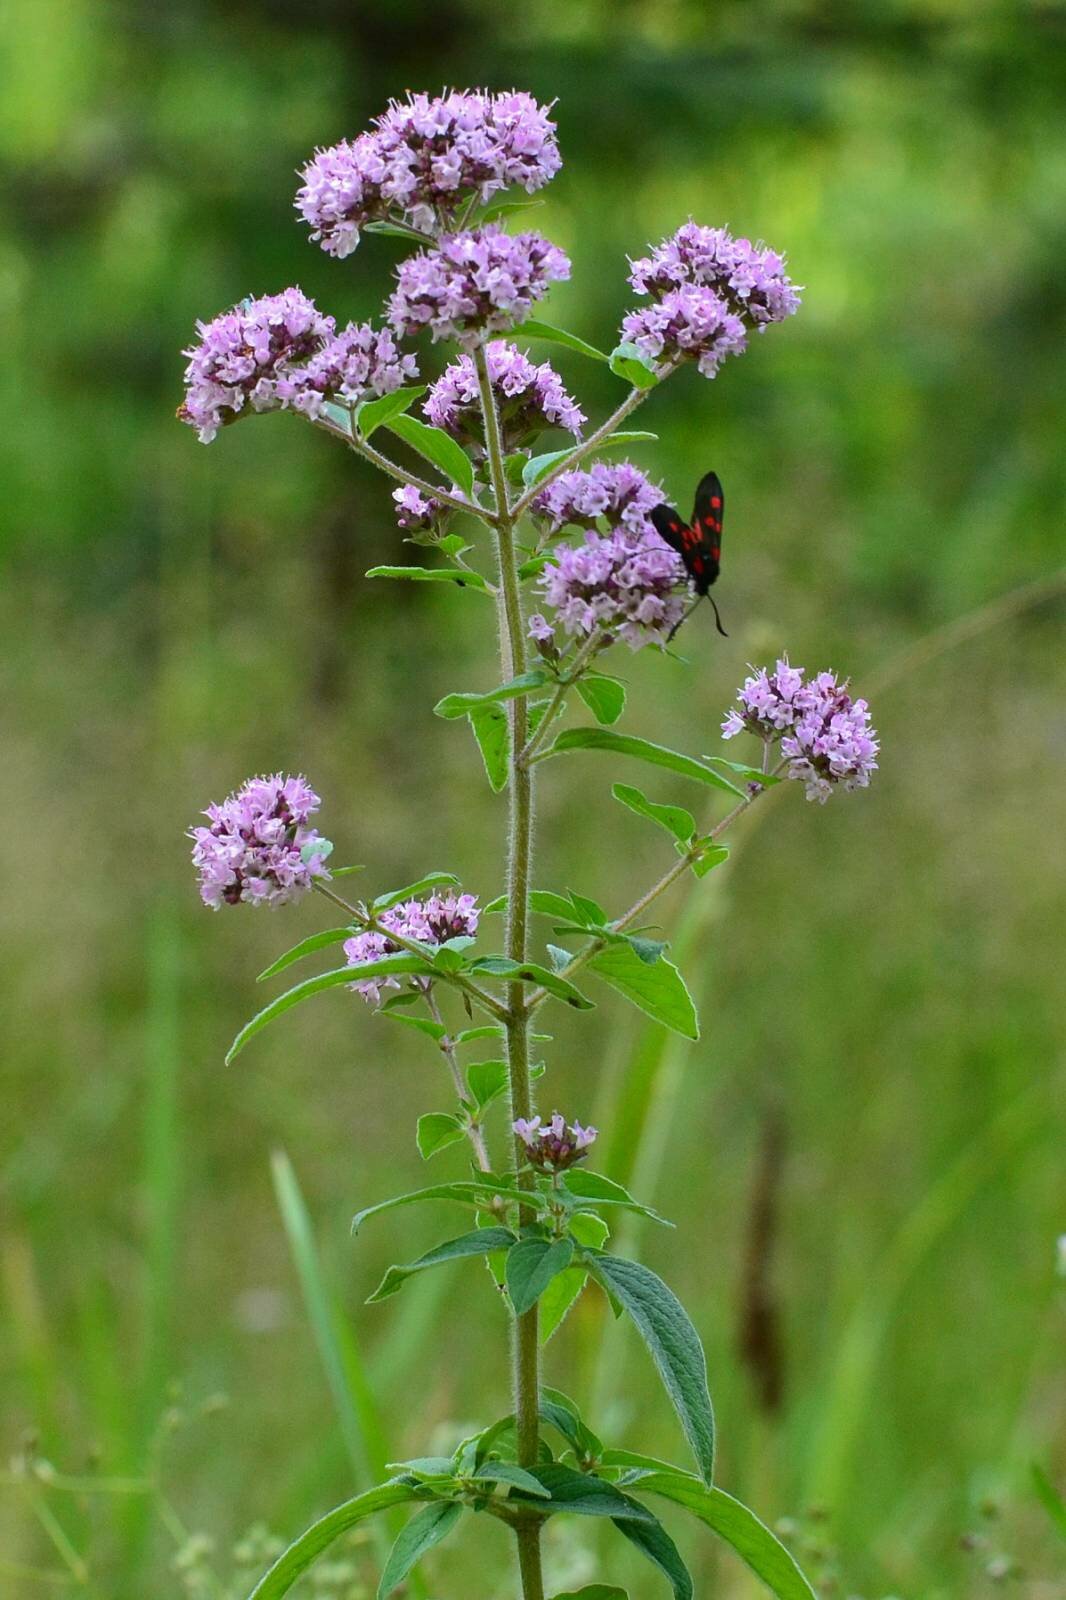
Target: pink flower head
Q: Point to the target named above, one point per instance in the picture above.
(708, 290)
(825, 736)
(432, 922)
(474, 283)
(529, 398)
(556, 1145)
(423, 159)
(361, 363)
(257, 847)
(415, 512)
(616, 494)
(235, 365)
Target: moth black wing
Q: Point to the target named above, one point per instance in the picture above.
(670, 526)
(707, 516)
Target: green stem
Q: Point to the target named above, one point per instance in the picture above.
(588, 650)
(526, 1350)
(446, 1046)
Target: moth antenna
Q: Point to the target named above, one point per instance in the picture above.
(683, 618)
(717, 618)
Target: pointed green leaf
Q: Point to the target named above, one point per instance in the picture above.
(321, 1534)
(460, 705)
(711, 855)
(436, 1131)
(561, 1295)
(385, 966)
(595, 1591)
(601, 1191)
(375, 413)
(605, 697)
(534, 329)
(306, 947)
(538, 467)
(425, 1529)
(505, 208)
(675, 819)
(627, 362)
(470, 1192)
(656, 755)
(581, 1493)
(674, 1345)
(653, 1541)
(487, 1081)
(493, 735)
(658, 990)
(439, 448)
(531, 1266)
(457, 575)
(517, 1477)
(531, 972)
(739, 1527)
(432, 880)
(481, 1242)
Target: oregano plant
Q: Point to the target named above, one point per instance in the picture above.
(563, 544)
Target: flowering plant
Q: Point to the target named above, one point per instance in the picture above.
(578, 533)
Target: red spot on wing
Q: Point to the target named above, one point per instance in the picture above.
(716, 501)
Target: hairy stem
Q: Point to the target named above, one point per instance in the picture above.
(589, 649)
(526, 1352)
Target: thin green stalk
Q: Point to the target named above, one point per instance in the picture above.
(577, 667)
(594, 440)
(526, 1354)
(474, 1131)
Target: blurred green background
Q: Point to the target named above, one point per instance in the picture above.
(880, 981)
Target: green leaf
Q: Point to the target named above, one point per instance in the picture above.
(601, 1191)
(485, 1030)
(765, 780)
(504, 208)
(468, 1192)
(533, 329)
(439, 448)
(425, 1529)
(531, 1266)
(595, 1591)
(432, 880)
(674, 1345)
(436, 1131)
(432, 1030)
(624, 744)
(627, 362)
(633, 1460)
(659, 990)
(605, 697)
(558, 1299)
(538, 467)
(306, 947)
(457, 575)
(321, 1534)
(675, 819)
(653, 1541)
(517, 1477)
(739, 1527)
(561, 1412)
(487, 1081)
(385, 966)
(490, 728)
(375, 413)
(531, 972)
(460, 705)
(710, 857)
(394, 230)
(1049, 1497)
(584, 1495)
(481, 1242)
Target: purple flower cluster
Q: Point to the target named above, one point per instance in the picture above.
(236, 363)
(619, 493)
(708, 290)
(529, 398)
(415, 512)
(432, 921)
(628, 586)
(257, 846)
(751, 278)
(627, 582)
(423, 158)
(474, 283)
(556, 1145)
(825, 735)
(281, 351)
